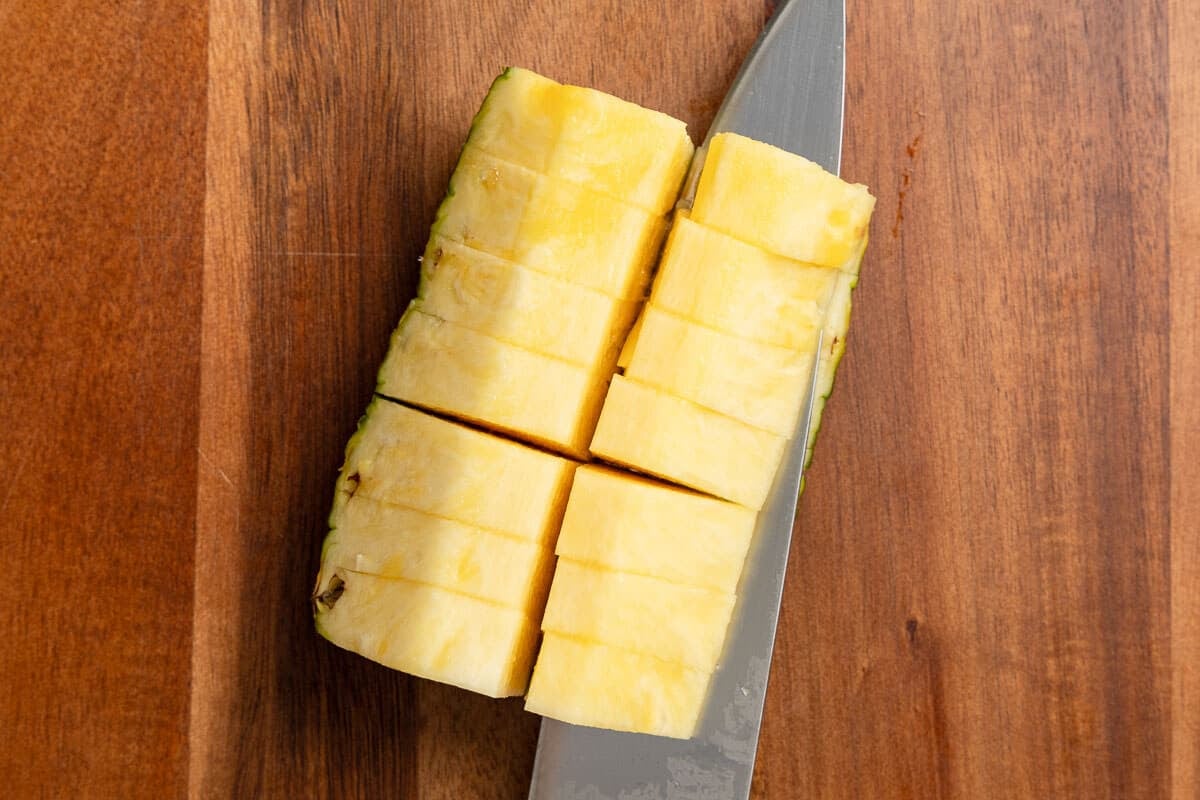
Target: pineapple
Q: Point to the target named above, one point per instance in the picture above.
(404, 457)
(429, 631)
(525, 308)
(780, 202)
(739, 289)
(652, 431)
(397, 542)
(715, 372)
(441, 537)
(456, 371)
(580, 135)
(760, 384)
(549, 225)
(632, 524)
(608, 687)
(677, 623)
(440, 549)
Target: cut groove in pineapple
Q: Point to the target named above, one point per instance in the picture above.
(611, 146)
(430, 632)
(781, 202)
(403, 456)
(759, 384)
(650, 431)
(734, 287)
(549, 225)
(390, 541)
(454, 370)
(520, 306)
(634, 524)
(676, 623)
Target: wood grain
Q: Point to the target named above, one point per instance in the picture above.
(209, 221)
(1184, 411)
(101, 226)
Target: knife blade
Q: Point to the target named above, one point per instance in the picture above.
(789, 93)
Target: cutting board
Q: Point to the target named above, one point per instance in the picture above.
(210, 217)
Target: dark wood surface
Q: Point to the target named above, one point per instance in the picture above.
(209, 220)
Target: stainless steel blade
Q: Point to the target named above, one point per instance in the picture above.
(788, 93)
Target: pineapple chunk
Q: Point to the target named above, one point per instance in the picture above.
(397, 542)
(549, 225)
(651, 431)
(429, 632)
(404, 457)
(522, 307)
(454, 370)
(635, 525)
(519, 120)
(677, 623)
(760, 384)
(620, 149)
(590, 138)
(741, 289)
(780, 202)
(605, 687)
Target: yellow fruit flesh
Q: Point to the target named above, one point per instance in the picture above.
(522, 307)
(740, 289)
(549, 225)
(453, 370)
(780, 202)
(677, 623)
(408, 458)
(606, 144)
(653, 432)
(621, 149)
(605, 687)
(628, 523)
(396, 542)
(429, 632)
(759, 384)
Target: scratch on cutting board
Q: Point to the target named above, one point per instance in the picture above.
(213, 466)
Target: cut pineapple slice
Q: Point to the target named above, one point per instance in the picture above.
(780, 201)
(677, 623)
(759, 384)
(741, 289)
(519, 120)
(429, 632)
(590, 138)
(632, 524)
(396, 542)
(520, 306)
(405, 457)
(451, 369)
(605, 687)
(549, 225)
(620, 149)
(648, 430)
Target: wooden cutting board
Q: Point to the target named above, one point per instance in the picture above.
(210, 216)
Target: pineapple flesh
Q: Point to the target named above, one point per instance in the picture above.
(440, 550)
(632, 524)
(714, 374)
(586, 683)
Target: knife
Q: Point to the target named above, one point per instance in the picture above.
(789, 93)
